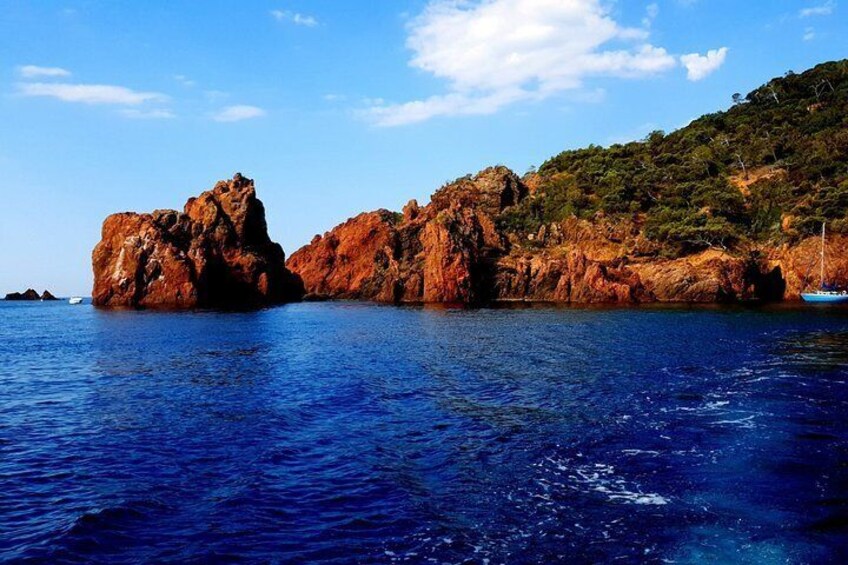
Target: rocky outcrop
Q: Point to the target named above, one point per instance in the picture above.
(28, 294)
(800, 264)
(355, 261)
(215, 254)
(452, 251)
(47, 296)
(571, 278)
(436, 253)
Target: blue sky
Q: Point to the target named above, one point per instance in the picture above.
(338, 107)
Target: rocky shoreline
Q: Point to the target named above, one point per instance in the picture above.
(452, 251)
(217, 254)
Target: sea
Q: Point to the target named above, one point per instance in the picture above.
(356, 433)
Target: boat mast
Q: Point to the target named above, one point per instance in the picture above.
(822, 256)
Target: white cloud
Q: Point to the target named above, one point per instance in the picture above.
(184, 80)
(155, 114)
(215, 95)
(651, 13)
(294, 17)
(90, 93)
(34, 71)
(238, 113)
(497, 52)
(453, 104)
(809, 34)
(825, 9)
(699, 67)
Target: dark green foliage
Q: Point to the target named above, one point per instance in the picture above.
(689, 231)
(792, 133)
(770, 199)
(829, 204)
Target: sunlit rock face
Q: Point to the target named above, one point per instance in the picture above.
(453, 251)
(215, 254)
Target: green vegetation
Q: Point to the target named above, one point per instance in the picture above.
(727, 178)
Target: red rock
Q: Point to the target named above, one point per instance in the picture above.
(356, 260)
(436, 253)
(216, 253)
(490, 191)
(800, 264)
(451, 250)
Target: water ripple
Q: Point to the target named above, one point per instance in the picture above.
(340, 433)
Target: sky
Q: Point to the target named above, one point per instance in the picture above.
(339, 106)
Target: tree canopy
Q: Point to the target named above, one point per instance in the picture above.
(774, 166)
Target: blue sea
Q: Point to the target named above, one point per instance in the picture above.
(355, 433)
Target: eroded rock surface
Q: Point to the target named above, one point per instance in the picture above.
(452, 251)
(215, 254)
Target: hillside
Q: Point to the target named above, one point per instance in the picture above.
(723, 209)
(772, 168)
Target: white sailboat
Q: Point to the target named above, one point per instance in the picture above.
(822, 295)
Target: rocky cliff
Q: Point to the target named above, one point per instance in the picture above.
(454, 250)
(215, 254)
(727, 208)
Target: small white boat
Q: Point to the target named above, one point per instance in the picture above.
(825, 295)
(75, 300)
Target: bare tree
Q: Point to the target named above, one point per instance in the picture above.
(742, 164)
(771, 146)
(773, 92)
(821, 88)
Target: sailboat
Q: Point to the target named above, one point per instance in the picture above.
(824, 295)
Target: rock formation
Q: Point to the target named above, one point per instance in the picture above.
(47, 296)
(452, 251)
(436, 253)
(728, 208)
(29, 294)
(215, 254)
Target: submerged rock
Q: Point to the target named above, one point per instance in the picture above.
(216, 253)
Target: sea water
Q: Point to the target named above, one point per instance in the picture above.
(354, 433)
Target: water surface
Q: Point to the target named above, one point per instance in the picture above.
(351, 433)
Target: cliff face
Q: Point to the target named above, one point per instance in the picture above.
(216, 253)
(452, 251)
(436, 253)
(801, 267)
(727, 208)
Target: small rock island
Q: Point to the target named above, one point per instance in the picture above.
(31, 295)
(215, 254)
